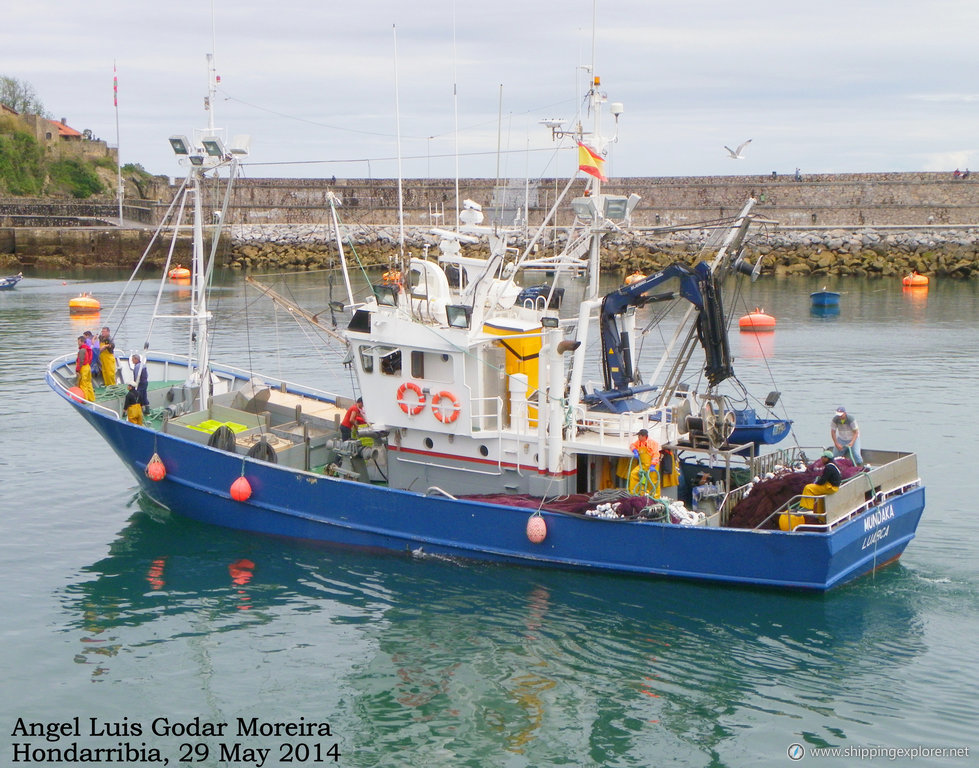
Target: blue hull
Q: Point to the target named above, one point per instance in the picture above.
(296, 504)
(825, 298)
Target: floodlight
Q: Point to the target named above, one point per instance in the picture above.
(458, 315)
(214, 146)
(180, 144)
(241, 144)
(584, 208)
(615, 207)
(386, 295)
(196, 160)
(549, 321)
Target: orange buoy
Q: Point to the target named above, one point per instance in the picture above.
(536, 529)
(179, 273)
(84, 304)
(757, 321)
(635, 277)
(155, 470)
(76, 394)
(241, 489)
(915, 280)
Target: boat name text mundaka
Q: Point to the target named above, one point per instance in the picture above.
(878, 518)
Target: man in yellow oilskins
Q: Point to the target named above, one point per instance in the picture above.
(83, 367)
(645, 474)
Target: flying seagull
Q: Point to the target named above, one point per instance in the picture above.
(736, 154)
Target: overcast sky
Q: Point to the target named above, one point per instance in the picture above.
(841, 86)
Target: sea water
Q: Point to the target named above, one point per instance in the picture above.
(158, 640)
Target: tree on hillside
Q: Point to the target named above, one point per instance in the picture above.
(20, 96)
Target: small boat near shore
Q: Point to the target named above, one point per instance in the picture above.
(824, 298)
(9, 283)
(489, 438)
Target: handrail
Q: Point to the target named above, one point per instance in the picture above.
(56, 383)
(432, 489)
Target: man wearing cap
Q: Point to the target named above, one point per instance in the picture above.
(645, 452)
(846, 436)
(829, 482)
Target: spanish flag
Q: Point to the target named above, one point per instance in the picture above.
(591, 162)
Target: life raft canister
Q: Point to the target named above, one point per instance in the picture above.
(446, 416)
(419, 405)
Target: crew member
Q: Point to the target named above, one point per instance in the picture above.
(352, 419)
(829, 482)
(140, 380)
(107, 357)
(83, 367)
(132, 407)
(645, 453)
(846, 436)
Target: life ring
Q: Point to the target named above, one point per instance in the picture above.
(446, 417)
(411, 410)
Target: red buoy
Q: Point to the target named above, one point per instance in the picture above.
(241, 489)
(76, 394)
(915, 280)
(155, 470)
(757, 321)
(536, 529)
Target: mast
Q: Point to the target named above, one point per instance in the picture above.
(120, 190)
(206, 153)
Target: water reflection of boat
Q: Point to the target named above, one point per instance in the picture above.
(425, 646)
(825, 310)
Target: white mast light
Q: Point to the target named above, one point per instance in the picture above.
(180, 144)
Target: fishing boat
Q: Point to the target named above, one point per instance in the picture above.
(487, 439)
(824, 298)
(8, 283)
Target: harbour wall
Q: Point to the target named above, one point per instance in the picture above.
(833, 223)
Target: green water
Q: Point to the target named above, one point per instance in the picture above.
(118, 611)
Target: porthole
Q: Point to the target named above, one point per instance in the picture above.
(429, 443)
(483, 450)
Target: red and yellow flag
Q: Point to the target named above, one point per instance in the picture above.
(591, 162)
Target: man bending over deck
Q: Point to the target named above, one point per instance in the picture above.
(645, 475)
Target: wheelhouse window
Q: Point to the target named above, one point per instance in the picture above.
(390, 361)
(433, 366)
(367, 358)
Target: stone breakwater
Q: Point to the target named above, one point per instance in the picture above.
(883, 252)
